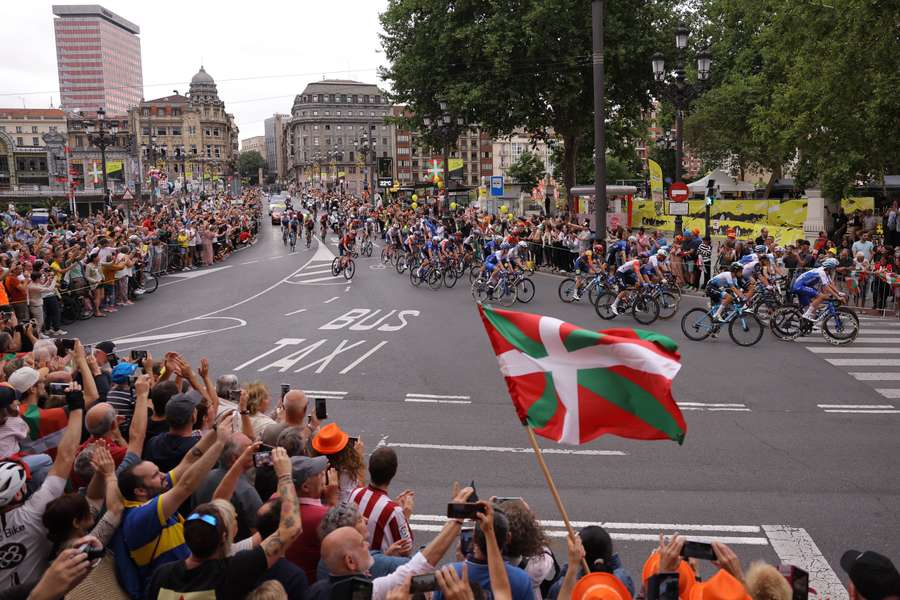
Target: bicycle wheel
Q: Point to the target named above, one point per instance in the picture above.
(668, 305)
(367, 249)
(504, 294)
(603, 305)
(785, 323)
(349, 270)
(765, 310)
(594, 291)
(745, 329)
(336, 266)
(450, 277)
(525, 290)
(567, 290)
(435, 278)
(414, 277)
(385, 256)
(696, 324)
(479, 290)
(645, 309)
(841, 328)
(401, 264)
(150, 282)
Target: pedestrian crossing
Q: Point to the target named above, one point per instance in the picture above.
(318, 270)
(873, 358)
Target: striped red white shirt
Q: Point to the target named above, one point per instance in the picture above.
(386, 522)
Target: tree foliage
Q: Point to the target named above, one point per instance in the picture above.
(250, 162)
(527, 171)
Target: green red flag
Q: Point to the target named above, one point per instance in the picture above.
(573, 385)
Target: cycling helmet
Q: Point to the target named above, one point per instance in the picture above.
(736, 266)
(632, 239)
(760, 249)
(779, 250)
(662, 252)
(644, 255)
(523, 244)
(830, 263)
(505, 246)
(370, 220)
(12, 480)
(588, 253)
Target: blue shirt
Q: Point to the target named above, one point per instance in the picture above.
(519, 582)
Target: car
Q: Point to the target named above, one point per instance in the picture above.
(275, 211)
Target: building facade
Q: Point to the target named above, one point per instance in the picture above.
(691, 166)
(85, 161)
(337, 130)
(276, 154)
(26, 126)
(256, 143)
(508, 150)
(186, 138)
(98, 56)
(28, 145)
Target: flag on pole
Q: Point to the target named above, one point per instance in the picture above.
(573, 385)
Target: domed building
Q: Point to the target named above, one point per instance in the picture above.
(191, 138)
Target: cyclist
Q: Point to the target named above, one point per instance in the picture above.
(449, 249)
(323, 223)
(293, 229)
(284, 227)
(805, 286)
(493, 261)
(430, 250)
(345, 247)
(515, 255)
(369, 230)
(584, 266)
(309, 223)
(617, 254)
(394, 238)
(629, 276)
(658, 264)
(718, 286)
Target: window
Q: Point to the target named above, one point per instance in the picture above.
(377, 99)
(332, 98)
(402, 150)
(327, 113)
(384, 141)
(303, 113)
(216, 131)
(315, 113)
(352, 170)
(79, 141)
(485, 155)
(343, 99)
(145, 111)
(160, 131)
(208, 151)
(19, 141)
(218, 152)
(473, 156)
(337, 113)
(351, 156)
(53, 129)
(328, 141)
(315, 127)
(34, 129)
(366, 99)
(327, 127)
(206, 131)
(372, 113)
(18, 129)
(340, 141)
(194, 149)
(355, 99)
(176, 131)
(305, 140)
(35, 142)
(338, 127)
(192, 130)
(315, 141)
(175, 112)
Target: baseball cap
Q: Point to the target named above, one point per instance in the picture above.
(23, 379)
(304, 467)
(8, 395)
(106, 347)
(873, 574)
(123, 371)
(180, 407)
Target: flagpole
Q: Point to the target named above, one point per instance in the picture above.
(547, 476)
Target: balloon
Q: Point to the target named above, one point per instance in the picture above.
(415, 197)
(503, 208)
(414, 206)
(453, 206)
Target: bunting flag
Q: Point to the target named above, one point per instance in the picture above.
(573, 385)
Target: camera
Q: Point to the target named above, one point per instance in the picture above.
(419, 584)
(138, 355)
(463, 510)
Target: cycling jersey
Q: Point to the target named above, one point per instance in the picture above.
(724, 280)
(628, 267)
(656, 263)
(620, 246)
(294, 225)
(749, 258)
(626, 274)
(812, 278)
(584, 264)
(751, 269)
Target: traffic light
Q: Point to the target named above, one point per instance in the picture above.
(710, 191)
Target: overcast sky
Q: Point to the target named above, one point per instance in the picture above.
(268, 49)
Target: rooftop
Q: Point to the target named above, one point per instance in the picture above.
(95, 10)
(21, 113)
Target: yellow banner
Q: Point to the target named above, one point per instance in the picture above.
(455, 163)
(113, 166)
(341, 174)
(656, 181)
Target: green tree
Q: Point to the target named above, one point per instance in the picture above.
(507, 64)
(249, 164)
(527, 171)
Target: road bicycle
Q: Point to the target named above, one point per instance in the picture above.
(597, 284)
(388, 254)
(668, 302)
(284, 236)
(839, 324)
(744, 327)
(308, 237)
(766, 300)
(366, 248)
(292, 237)
(524, 286)
(76, 306)
(504, 291)
(639, 301)
(348, 270)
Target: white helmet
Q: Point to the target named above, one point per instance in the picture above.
(662, 252)
(632, 239)
(523, 244)
(12, 480)
(830, 263)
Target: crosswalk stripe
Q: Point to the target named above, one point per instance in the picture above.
(889, 392)
(305, 273)
(331, 278)
(864, 412)
(877, 376)
(457, 447)
(855, 406)
(864, 362)
(852, 350)
(859, 340)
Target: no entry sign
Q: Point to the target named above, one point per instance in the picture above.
(678, 192)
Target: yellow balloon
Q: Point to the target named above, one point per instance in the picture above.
(414, 206)
(453, 206)
(503, 208)
(415, 197)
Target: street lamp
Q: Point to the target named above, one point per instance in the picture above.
(368, 146)
(102, 137)
(181, 155)
(445, 127)
(680, 92)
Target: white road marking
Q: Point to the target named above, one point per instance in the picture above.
(865, 362)
(193, 274)
(298, 311)
(634, 537)
(864, 330)
(866, 412)
(374, 349)
(855, 405)
(852, 350)
(877, 376)
(439, 396)
(324, 392)
(330, 300)
(713, 407)
(859, 340)
(335, 280)
(126, 343)
(794, 545)
(159, 337)
(347, 289)
(276, 257)
(305, 273)
(889, 392)
(250, 262)
(433, 401)
(505, 449)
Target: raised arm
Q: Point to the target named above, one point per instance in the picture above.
(496, 568)
(576, 555)
(65, 452)
(448, 535)
(91, 394)
(203, 460)
(137, 433)
(226, 487)
(289, 526)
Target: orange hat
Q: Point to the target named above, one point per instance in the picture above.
(730, 232)
(686, 575)
(330, 439)
(600, 586)
(721, 586)
(696, 231)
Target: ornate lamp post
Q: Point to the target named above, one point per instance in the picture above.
(445, 127)
(102, 137)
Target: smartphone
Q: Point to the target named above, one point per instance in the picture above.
(92, 553)
(419, 584)
(138, 355)
(509, 499)
(465, 540)
(463, 510)
(57, 389)
(67, 343)
(699, 550)
(262, 459)
(285, 388)
(799, 580)
(351, 441)
(113, 360)
(88, 349)
(234, 396)
(321, 410)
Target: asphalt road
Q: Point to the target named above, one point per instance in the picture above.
(764, 467)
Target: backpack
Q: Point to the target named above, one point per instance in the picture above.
(546, 584)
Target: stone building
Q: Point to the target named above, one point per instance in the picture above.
(256, 143)
(276, 152)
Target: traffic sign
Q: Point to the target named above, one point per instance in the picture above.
(677, 209)
(679, 192)
(127, 195)
(497, 185)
